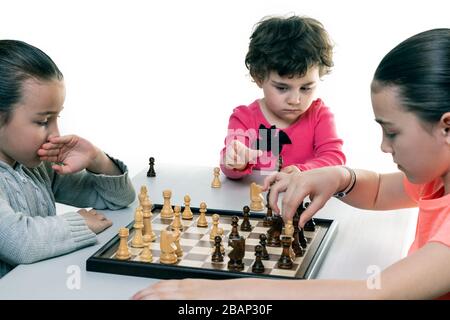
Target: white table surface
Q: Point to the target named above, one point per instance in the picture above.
(364, 240)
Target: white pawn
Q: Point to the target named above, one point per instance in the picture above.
(138, 241)
(215, 230)
(167, 211)
(123, 253)
(202, 222)
(146, 254)
(176, 223)
(216, 181)
(187, 213)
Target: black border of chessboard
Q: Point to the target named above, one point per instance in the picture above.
(313, 258)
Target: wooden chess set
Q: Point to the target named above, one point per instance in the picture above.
(174, 242)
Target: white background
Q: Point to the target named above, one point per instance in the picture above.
(160, 78)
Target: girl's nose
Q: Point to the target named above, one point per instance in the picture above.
(54, 131)
(386, 146)
(294, 98)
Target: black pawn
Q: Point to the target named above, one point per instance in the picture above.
(273, 234)
(234, 228)
(285, 261)
(262, 242)
(245, 225)
(151, 170)
(258, 266)
(217, 255)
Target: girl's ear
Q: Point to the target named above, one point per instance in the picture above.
(445, 125)
(258, 81)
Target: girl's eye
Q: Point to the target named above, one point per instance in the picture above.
(306, 89)
(390, 135)
(282, 88)
(42, 123)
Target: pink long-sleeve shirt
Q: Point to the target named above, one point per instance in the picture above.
(314, 141)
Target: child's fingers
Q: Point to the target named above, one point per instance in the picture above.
(62, 139)
(48, 153)
(316, 204)
(252, 155)
(291, 201)
(275, 190)
(50, 146)
(61, 169)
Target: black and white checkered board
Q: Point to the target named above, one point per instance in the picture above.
(198, 248)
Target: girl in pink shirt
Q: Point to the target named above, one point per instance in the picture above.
(411, 102)
(289, 129)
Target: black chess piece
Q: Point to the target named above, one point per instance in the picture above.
(267, 221)
(262, 242)
(234, 228)
(296, 246)
(273, 234)
(285, 261)
(217, 255)
(258, 266)
(237, 254)
(302, 239)
(245, 225)
(310, 225)
(151, 170)
(280, 163)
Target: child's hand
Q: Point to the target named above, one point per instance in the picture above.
(319, 184)
(70, 153)
(238, 155)
(290, 169)
(202, 289)
(95, 221)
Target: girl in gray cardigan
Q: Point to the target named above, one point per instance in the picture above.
(39, 167)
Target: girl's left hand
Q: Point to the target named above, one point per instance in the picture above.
(290, 169)
(69, 153)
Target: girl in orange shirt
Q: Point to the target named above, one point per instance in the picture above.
(411, 102)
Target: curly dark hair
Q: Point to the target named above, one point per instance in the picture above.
(289, 46)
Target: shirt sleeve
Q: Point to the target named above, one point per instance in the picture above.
(99, 191)
(327, 144)
(25, 239)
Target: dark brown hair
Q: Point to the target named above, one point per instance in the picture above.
(289, 46)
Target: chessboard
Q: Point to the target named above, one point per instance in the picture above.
(196, 261)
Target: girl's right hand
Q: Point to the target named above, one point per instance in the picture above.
(319, 184)
(95, 221)
(238, 155)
